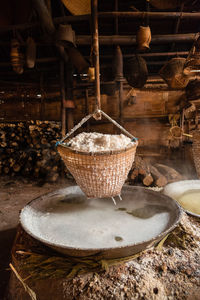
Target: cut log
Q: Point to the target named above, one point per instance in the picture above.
(148, 180)
(170, 173)
(160, 179)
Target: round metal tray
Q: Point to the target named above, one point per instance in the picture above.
(68, 222)
(176, 189)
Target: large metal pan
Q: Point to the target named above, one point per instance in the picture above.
(68, 222)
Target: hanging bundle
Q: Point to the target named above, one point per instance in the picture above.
(172, 73)
(16, 57)
(30, 52)
(135, 71)
(99, 174)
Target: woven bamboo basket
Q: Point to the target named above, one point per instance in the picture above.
(196, 150)
(172, 73)
(99, 174)
(135, 71)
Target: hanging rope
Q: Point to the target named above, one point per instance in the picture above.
(96, 112)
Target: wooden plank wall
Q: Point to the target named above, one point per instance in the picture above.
(145, 115)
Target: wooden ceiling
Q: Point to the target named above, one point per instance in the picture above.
(173, 33)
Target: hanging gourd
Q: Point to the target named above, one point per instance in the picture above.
(16, 57)
(30, 52)
(143, 36)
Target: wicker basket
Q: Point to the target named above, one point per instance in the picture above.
(196, 151)
(172, 73)
(99, 174)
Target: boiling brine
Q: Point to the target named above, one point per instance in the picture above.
(190, 201)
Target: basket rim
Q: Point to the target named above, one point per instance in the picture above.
(99, 153)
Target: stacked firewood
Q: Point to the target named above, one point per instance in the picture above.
(158, 175)
(28, 149)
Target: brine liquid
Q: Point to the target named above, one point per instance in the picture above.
(190, 201)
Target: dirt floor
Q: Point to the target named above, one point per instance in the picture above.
(14, 194)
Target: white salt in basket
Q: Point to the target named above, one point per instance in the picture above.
(99, 174)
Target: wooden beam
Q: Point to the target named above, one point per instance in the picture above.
(132, 15)
(38, 61)
(124, 39)
(131, 39)
(151, 15)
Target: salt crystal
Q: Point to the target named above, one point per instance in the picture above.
(94, 142)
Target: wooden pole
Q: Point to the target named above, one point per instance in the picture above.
(151, 15)
(95, 42)
(86, 108)
(62, 92)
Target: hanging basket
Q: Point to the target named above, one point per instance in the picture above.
(172, 73)
(135, 71)
(99, 174)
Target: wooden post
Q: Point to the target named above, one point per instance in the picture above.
(119, 78)
(42, 111)
(62, 92)
(69, 104)
(86, 108)
(95, 42)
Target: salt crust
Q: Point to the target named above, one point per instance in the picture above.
(95, 142)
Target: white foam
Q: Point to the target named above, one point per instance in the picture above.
(93, 223)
